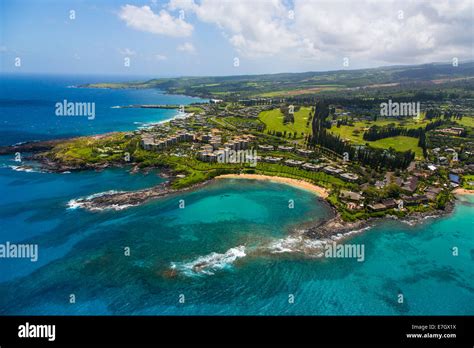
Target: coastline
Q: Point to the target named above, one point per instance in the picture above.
(318, 190)
(463, 191)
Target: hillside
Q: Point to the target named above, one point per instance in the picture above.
(427, 76)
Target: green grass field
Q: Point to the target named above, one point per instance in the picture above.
(354, 133)
(400, 143)
(466, 121)
(273, 119)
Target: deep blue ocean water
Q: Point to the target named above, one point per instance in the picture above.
(227, 228)
(27, 107)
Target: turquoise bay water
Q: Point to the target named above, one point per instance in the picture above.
(215, 251)
(82, 253)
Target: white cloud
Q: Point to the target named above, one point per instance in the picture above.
(254, 28)
(363, 30)
(373, 30)
(144, 19)
(187, 47)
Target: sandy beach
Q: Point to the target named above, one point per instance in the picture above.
(463, 191)
(320, 191)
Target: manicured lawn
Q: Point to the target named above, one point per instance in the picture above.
(466, 121)
(274, 121)
(400, 143)
(347, 132)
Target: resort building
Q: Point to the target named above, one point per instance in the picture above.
(293, 163)
(304, 152)
(270, 159)
(285, 148)
(332, 171)
(207, 156)
(312, 167)
(349, 177)
(266, 147)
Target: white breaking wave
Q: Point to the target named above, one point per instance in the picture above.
(80, 202)
(308, 246)
(209, 264)
(147, 125)
(25, 169)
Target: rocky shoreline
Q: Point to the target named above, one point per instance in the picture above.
(32, 146)
(121, 200)
(335, 225)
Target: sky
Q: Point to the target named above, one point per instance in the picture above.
(224, 37)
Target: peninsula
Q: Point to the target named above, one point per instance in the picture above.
(365, 163)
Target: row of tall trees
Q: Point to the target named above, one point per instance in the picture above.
(368, 156)
(381, 132)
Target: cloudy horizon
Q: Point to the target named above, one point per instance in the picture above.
(212, 37)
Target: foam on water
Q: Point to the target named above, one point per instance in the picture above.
(80, 202)
(310, 247)
(209, 264)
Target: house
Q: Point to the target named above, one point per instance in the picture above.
(432, 192)
(390, 203)
(410, 184)
(351, 196)
(354, 206)
(377, 207)
(415, 199)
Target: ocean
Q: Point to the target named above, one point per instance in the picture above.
(27, 107)
(227, 252)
